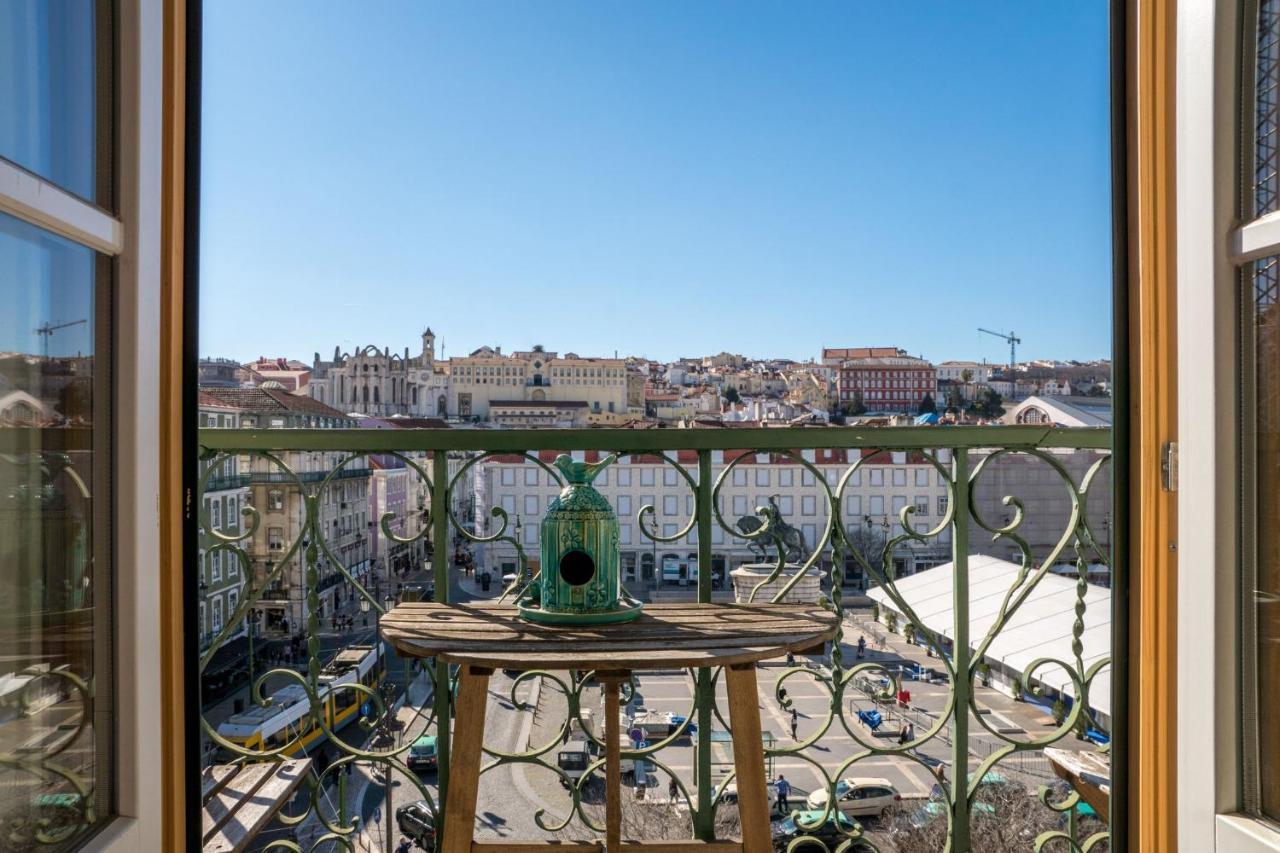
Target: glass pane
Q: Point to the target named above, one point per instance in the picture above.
(1266, 315)
(1266, 181)
(49, 101)
(55, 704)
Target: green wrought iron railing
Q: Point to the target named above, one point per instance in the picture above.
(957, 817)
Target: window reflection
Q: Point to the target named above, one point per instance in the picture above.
(49, 104)
(54, 632)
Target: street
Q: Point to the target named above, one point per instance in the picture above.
(512, 794)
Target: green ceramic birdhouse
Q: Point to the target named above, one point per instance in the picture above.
(579, 583)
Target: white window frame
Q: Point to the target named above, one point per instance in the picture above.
(762, 477)
(531, 475)
(624, 506)
(1210, 248)
(624, 476)
(786, 478)
(133, 240)
(646, 475)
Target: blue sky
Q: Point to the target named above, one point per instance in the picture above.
(657, 178)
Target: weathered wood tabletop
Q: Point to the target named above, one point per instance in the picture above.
(664, 636)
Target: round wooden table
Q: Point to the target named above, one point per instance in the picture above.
(483, 637)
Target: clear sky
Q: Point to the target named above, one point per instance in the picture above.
(656, 178)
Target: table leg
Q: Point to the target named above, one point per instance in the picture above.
(613, 760)
(748, 758)
(464, 766)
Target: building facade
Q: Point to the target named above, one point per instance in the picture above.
(379, 383)
(279, 500)
(487, 376)
(897, 383)
(874, 499)
(226, 493)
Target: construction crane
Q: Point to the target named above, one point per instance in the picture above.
(1012, 340)
(46, 331)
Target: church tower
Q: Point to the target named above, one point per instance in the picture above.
(428, 347)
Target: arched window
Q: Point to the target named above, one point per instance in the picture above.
(375, 394)
(441, 406)
(366, 393)
(415, 395)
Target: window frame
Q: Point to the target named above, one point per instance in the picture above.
(1213, 134)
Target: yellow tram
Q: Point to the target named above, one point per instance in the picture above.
(288, 721)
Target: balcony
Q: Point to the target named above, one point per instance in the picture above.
(965, 658)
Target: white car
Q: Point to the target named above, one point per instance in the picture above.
(730, 794)
(858, 797)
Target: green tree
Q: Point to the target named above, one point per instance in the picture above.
(927, 406)
(731, 395)
(988, 405)
(856, 406)
(966, 376)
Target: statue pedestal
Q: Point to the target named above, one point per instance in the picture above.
(746, 577)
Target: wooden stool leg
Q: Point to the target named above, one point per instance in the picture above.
(748, 758)
(612, 760)
(464, 763)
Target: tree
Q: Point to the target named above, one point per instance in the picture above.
(1005, 815)
(856, 406)
(927, 406)
(988, 405)
(731, 395)
(966, 376)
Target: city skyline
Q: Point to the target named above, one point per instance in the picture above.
(750, 178)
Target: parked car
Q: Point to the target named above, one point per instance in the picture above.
(730, 794)
(829, 835)
(573, 759)
(858, 797)
(422, 755)
(415, 821)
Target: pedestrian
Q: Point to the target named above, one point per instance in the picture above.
(795, 723)
(862, 646)
(902, 735)
(911, 732)
(673, 790)
(405, 845)
(783, 787)
(791, 659)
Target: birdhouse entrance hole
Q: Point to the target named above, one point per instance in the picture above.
(577, 567)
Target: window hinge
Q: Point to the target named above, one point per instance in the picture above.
(1169, 466)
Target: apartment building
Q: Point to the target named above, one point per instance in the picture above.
(873, 502)
(226, 493)
(280, 500)
(891, 383)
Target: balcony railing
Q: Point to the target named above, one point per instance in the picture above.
(976, 765)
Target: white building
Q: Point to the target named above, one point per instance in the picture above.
(957, 371)
(874, 498)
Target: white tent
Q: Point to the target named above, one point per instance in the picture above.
(1039, 628)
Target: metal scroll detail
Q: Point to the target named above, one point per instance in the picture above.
(964, 729)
